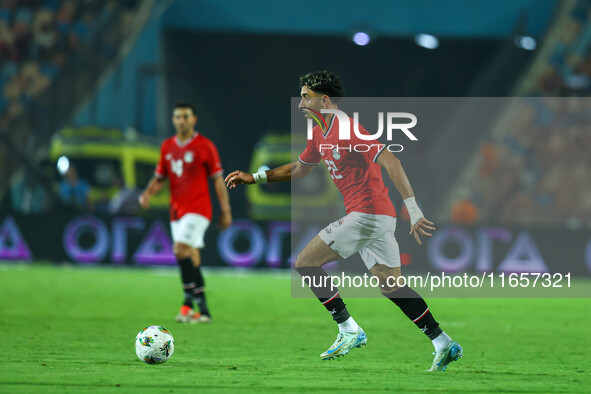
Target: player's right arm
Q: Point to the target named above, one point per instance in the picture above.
(153, 187)
(285, 173)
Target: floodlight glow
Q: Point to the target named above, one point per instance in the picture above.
(63, 164)
(361, 38)
(426, 41)
(526, 42)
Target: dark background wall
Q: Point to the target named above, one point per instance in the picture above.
(242, 84)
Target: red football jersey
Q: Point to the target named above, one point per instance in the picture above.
(352, 167)
(188, 166)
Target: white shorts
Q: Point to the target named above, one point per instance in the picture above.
(190, 230)
(370, 235)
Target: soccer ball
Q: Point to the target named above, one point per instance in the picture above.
(154, 345)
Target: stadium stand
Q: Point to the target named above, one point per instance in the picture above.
(36, 39)
(51, 53)
(535, 169)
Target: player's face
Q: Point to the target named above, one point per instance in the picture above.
(310, 99)
(184, 120)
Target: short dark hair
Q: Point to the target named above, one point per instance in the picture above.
(323, 82)
(184, 104)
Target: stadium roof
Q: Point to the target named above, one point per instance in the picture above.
(454, 18)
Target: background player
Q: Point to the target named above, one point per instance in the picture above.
(188, 159)
(368, 227)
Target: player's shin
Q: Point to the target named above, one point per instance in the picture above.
(199, 292)
(416, 309)
(186, 266)
(321, 285)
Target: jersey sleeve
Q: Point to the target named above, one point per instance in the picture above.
(161, 169)
(310, 156)
(375, 147)
(213, 162)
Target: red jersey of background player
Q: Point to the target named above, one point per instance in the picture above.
(188, 166)
(356, 174)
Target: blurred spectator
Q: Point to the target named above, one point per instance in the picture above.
(28, 196)
(45, 34)
(464, 211)
(125, 201)
(32, 81)
(520, 209)
(74, 191)
(488, 162)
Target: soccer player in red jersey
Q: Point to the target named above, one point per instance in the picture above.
(188, 160)
(368, 227)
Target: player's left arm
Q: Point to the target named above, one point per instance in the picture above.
(225, 219)
(214, 167)
(418, 223)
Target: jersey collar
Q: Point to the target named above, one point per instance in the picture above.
(182, 144)
(329, 127)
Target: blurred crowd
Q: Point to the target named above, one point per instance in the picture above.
(569, 70)
(73, 195)
(36, 39)
(539, 171)
(51, 54)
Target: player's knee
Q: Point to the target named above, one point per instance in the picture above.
(305, 260)
(388, 289)
(300, 261)
(196, 257)
(389, 280)
(182, 251)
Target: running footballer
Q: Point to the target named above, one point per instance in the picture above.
(368, 227)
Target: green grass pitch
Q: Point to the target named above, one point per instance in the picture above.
(73, 329)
